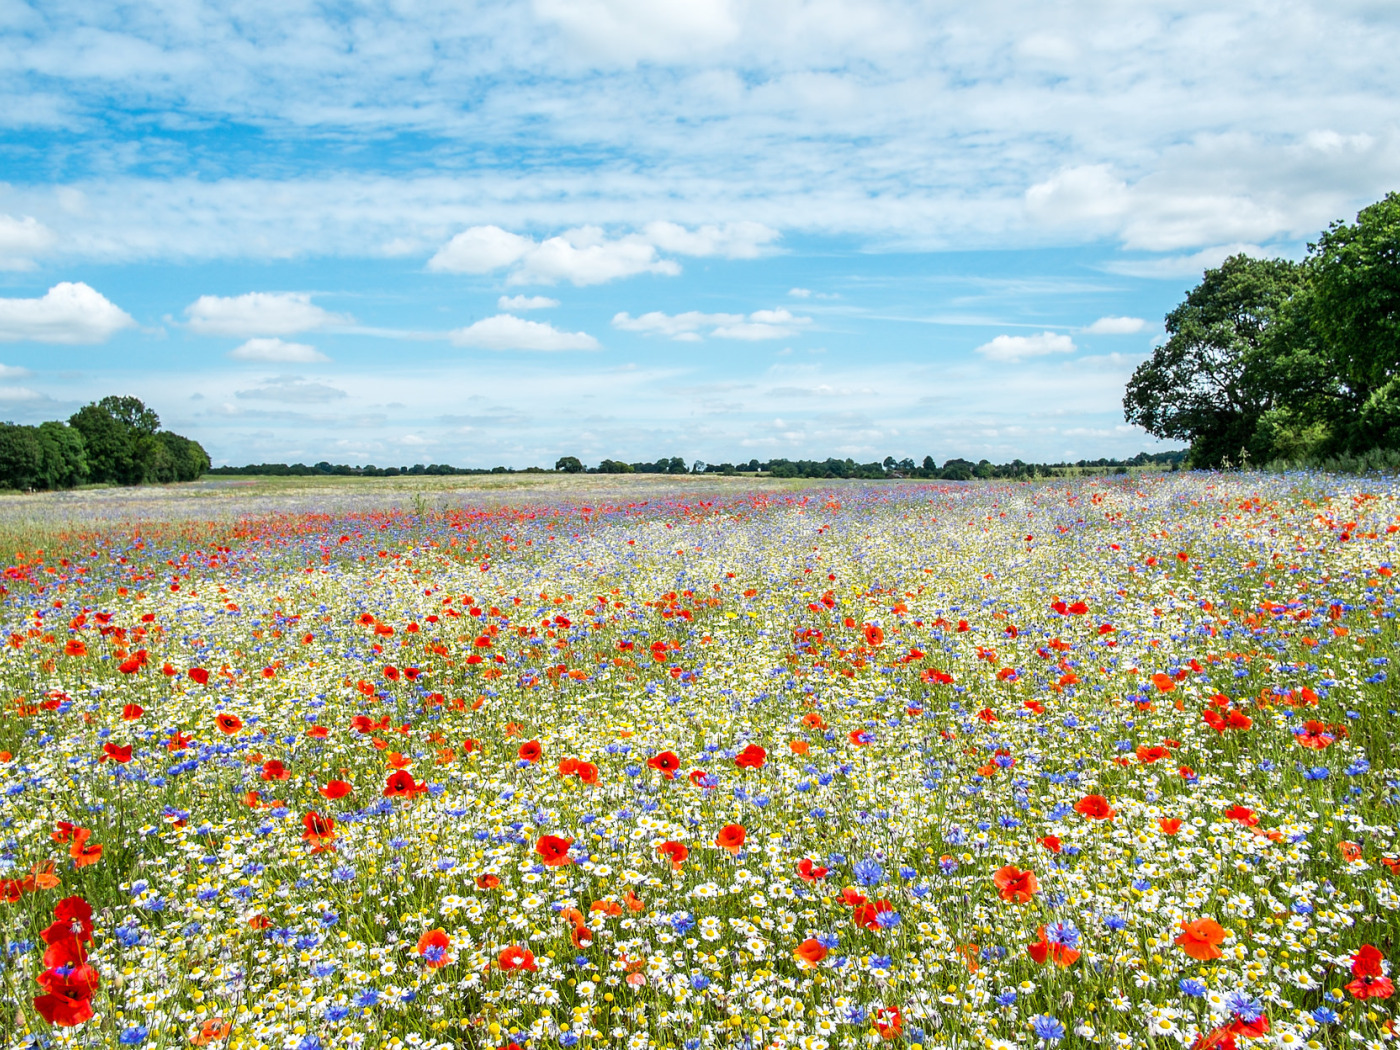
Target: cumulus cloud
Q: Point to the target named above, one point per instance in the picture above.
(1193, 264)
(1017, 347)
(21, 240)
(687, 327)
(259, 313)
(70, 312)
(628, 31)
(525, 302)
(586, 255)
(292, 390)
(1116, 326)
(10, 394)
(272, 349)
(506, 332)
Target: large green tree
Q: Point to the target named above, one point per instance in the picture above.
(1217, 378)
(63, 455)
(1350, 318)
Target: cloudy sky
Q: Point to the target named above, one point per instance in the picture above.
(399, 231)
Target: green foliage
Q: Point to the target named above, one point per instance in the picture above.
(21, 457)
(1269, 360)
(125, 445)
(613, 466)
(63, 455)
(569, 465)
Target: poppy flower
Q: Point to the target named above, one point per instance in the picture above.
(799, 747)
(1200, 939)
(530, 751)
(318, 830)
(667, 762)
(874, 636)
(76, 915)
(731, 837)
(116, 753)
(1148, 755)
(1050, 842)
(1169, 825)
(516, 958)
(432, 946)
(214, 1030)
(273, 769)
(811, 951)
(75, 647)
(62, 1010)
(587, 772)
(1163, 682)
(889, 1022)
(228, 723)
(199, 675)
(568, 767)
(1242, 815)
(868, 915)
(402, 785)
(82, 851)
(1015, 885)
(851, 897)
(335, 789)
(1043, 951)
(318, 732)
(487, 882)
(1095, 807)
(675, 852)
(752, 757)
(554, 850)
(131, 712)
(808, 871)
(1370, 979)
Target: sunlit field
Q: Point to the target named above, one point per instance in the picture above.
(1109, 762)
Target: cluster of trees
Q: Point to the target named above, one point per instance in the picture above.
(116, 440)
(951, 470)
(1269, 360)
(342, 470)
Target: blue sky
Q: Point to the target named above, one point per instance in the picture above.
(497, 233)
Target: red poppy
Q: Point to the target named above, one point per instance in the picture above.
(273, 769)
(76, 915)
(1169, 825)
(198, 674)
(810, 951)
(731, 837)
(516, 958)
(1050, 842)
(868, 915)
(335, 789)
(1200, 939)
(1163, 682)
(318, 830)
(587, 772)
(1015, 885)
(83, 852)
(1060, 954)
(1095, 807)
(318, 732)
(530, 751)
(1148, 755)
(554, 850)
(75, 647)
(752, 757)
(1370, 979)
(667, 762)
(402, 785)
(874, 636)
(433, 946)
(851, 897)
(228, 723)
(675, 852)
(889, 1022)
(1242, 815)
(808, 871)
(116, 753)
(62, 1010)
(487, 882)
(131, 712)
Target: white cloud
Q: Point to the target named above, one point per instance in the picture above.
(687, 327)
(733, 240)
(68, 313)
(1193, 265)
(21, 240)
(259, 313)
(1116, 326)
(292, 390)
(14, 372)
(525, 302)
(1017, 347)
(505, 332)
(627, 31)
(268, 349)
(480, 249)
(800, 293)
(10, 394)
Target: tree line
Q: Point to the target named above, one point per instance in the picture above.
(951, 470)
(117, 440)
(1274, 361)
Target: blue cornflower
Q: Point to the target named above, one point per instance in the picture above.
(1243, 1007)
(881, 962)
(369, 997)
(134, 1035)
(1116, 923)
(699, 982)
(1192, 987)
(1325, 1015)
(1006, 999)
(1062, 933)
(1047, 1028)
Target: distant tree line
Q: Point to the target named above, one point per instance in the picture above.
(1269, 360)
(117, 440)
(951, 470)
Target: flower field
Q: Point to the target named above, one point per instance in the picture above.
(1109, 762)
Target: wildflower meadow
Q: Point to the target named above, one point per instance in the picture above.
(1102, 762)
